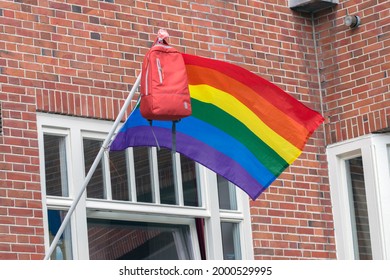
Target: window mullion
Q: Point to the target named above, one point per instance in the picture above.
(131, 177)
(372, 196)
(245, 225)
(213, 234)
(154, 175)
(177, 178)
(200, 179)
(381, 155)
(79, 216)
(107, 175)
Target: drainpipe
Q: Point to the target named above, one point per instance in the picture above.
(311, 7)
(318, 75)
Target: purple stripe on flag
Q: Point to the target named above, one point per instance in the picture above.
(204, 154)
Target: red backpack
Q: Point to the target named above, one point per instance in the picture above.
(164, 84)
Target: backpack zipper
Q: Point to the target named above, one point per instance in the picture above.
(160, 71)
(147, 78)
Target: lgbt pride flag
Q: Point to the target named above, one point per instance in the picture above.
(242, 127)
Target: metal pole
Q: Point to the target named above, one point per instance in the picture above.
(106, 142)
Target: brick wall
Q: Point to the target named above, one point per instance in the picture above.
(21, 232)
(355, 69)
(80, 58)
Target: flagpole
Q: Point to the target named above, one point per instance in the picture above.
(104, 146)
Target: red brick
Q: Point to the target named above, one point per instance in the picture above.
(38, 256)
(321, 255)
(22, 212)
(35, 222)
(7, 238)
(292, 253)
(23, 248)
(3, 228)
(18, 176)
(34, 204)
(6, 202)
(38, 240)
(8, 256)
(22, 230)
(7, 220)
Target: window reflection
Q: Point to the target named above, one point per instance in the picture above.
(63, 249)
(55, 165)
(191, 191)
(165, 176)
(126, 240)
(120, 186)
(359, 206)
(142, 169)
(230, 241)
(96, 186)
(226, 194)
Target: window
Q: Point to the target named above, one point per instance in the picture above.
(96, 187)
(230, 241)
(55, 165)
(141, 203)
(359, 179)
(63, 249)
(226, 194)
(358, 205)
(127, 240)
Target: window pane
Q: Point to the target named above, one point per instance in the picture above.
(125, 240)
(230, 241)
(165, 176)
(119, 180)
(226, 194)
(190, 185)
(359, 202)
(63, 249)
(96, 187)
(142, 174)
(55, 165)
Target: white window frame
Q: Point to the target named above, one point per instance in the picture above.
(374, 150)
(75, 128)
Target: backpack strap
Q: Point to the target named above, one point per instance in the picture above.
(174, 137)
(173, 155)
(154, 135)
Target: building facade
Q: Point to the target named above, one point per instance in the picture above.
(67, 66)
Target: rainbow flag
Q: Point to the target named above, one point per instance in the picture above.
(242, 127)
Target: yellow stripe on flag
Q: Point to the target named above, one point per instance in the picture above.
(236, 109)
